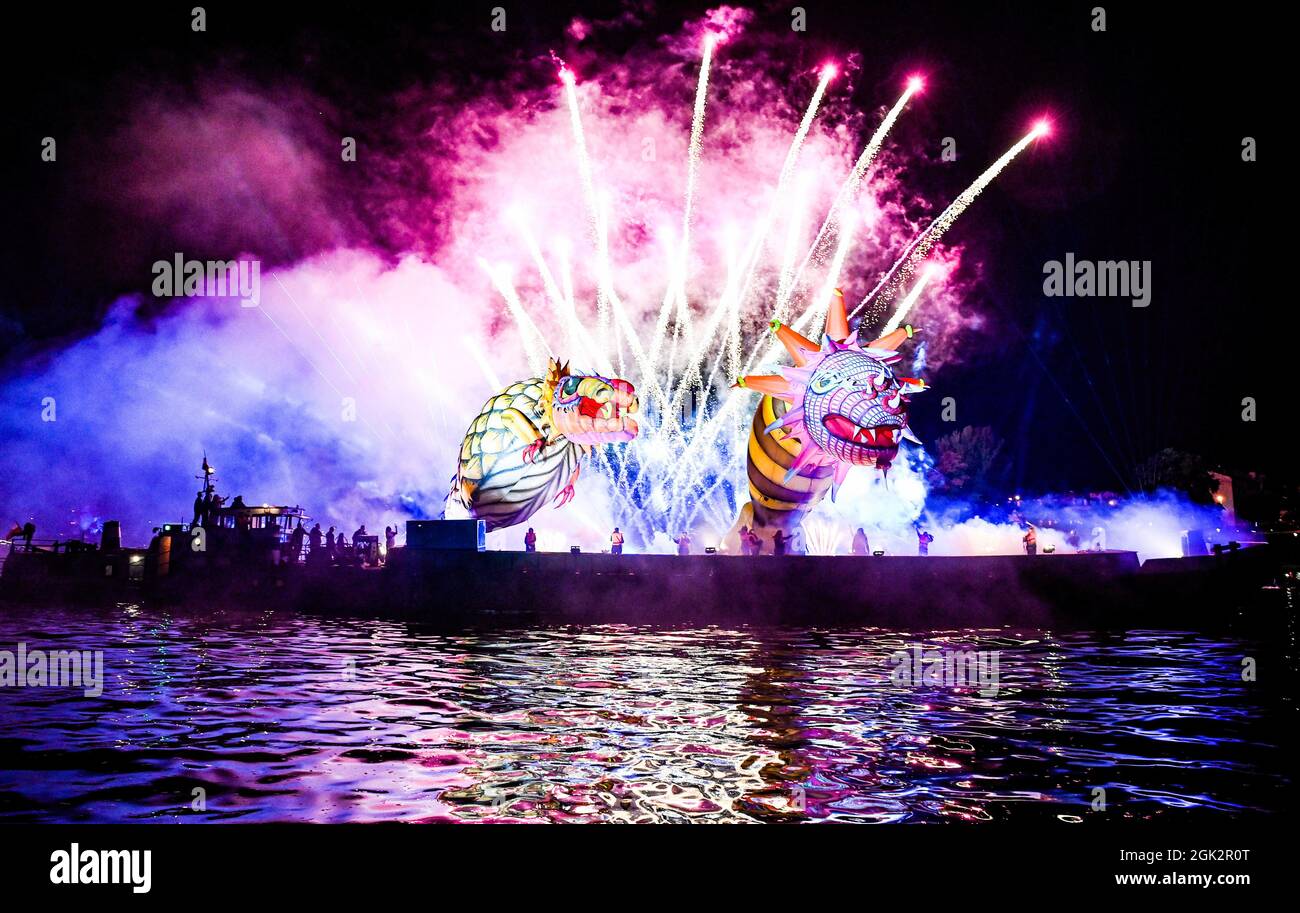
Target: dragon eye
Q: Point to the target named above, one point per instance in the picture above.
(571, 385)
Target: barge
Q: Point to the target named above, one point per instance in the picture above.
(248, 557)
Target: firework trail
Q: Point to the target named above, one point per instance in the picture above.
(693, 155)
(909, 299)
(851, 184)
(846, 194)
(535, 345)
(921, 244)
(687, 464)
(783, 181)
(728, 308)
(603, 271)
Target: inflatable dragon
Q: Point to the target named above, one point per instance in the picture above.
(527, 443)
(841, 405)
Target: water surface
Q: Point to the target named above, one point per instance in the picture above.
(241, 716)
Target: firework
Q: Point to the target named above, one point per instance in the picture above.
(921, 244)
(687, 466)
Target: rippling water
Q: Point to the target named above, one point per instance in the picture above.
(271, 717)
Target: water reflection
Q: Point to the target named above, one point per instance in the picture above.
(267, 717)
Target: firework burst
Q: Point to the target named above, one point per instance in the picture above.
(687, 467)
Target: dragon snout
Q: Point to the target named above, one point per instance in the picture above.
(603, 411)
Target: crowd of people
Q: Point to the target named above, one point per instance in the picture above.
(334, 547)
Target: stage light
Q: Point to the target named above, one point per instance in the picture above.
(1042, 127)
(575, 550)
(879, 553)
(915, 84)
(830, 71)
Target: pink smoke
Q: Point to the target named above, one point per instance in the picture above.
(381, 298)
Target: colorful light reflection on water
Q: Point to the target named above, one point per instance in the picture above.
(285, 718)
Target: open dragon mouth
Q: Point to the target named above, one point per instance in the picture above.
(878, 437)
(600, 423)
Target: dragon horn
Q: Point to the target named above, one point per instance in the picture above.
(892, 341)
(771, 384)
(795, 343)
(837, 319)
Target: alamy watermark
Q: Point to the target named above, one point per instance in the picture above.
(946, 668)
(183, 278)
(1098, 279)
(24, 668)
(77, 866)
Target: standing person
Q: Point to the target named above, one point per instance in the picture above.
(744, 540)
(860, 544)
(390, 538)
(314, 538)
(616, 542)
(1031, 540)
(778, 543)
(330, 543)
(755, 543)
(923, 540)
(295, 543)
(530, 540)
(684, 544)
(198, 510)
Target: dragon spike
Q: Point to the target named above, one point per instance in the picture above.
(771, 384)
(885, 355)
(795, 343)
(841, 472)
(806, 456)
(837, 318)
(913, 385)
(909, 436)
(793, 417)
(892, 341)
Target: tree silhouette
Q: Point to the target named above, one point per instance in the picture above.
(1182, 471)
(966, 461)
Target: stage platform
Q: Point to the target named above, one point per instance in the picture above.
(1079, 590)
(1084, 590)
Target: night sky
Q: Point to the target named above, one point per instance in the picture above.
(1144, 164)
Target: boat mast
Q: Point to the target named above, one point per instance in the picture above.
(207, 477)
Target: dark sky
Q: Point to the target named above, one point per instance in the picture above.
(1145, 164)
